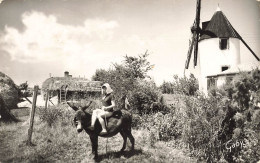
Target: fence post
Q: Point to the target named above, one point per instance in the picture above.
(47, 100)
(30, 130)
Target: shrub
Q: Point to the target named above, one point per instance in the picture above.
(50, 115)
(167, 87)
(55, 114)
(145, 98)
(162, 127)
(167, 126)
(202, 119)
(187, 86)
(226, 116)
(245, 99)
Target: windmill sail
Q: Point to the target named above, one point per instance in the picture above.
(197, 33)
(189, 52)
(195, 29)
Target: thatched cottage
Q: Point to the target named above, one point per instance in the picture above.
(68, 87)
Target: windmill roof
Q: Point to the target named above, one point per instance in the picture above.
(219, 27)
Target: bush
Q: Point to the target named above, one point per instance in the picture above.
(162, 127)
(55, 114)
(145, 98)
(225, 117)
(187, 86)
(245, 99)
(167, 87)
(50, 115)
(167, 126)
(203, 116)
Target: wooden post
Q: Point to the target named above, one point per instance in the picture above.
(30, 130)
(47, 100)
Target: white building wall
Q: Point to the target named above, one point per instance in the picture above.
(221, 81)
(211, 58)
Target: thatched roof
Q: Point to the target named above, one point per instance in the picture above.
(218, 27)
(8, 91)
(74, 84)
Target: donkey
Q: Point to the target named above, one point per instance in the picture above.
(119, 122)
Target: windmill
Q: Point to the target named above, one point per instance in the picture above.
(197, 32)
(195, 29)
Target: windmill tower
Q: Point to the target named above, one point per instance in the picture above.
(216, 46)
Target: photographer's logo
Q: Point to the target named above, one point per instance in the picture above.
(232, 145)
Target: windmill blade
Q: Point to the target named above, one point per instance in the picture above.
(249, 49)
(243, 41)
(195, 38)
(197, 31)
(190, 51)
(196, 49)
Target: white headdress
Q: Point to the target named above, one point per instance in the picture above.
(109, 90)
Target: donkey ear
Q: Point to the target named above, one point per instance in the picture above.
(72, 106)
(85, 107)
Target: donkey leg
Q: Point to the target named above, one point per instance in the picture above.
(124, 135)
(131, 138)
(94, 144)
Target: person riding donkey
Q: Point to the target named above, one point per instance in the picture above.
(108, 103)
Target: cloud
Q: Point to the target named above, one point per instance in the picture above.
(44, 39)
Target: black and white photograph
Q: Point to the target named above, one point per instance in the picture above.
(167, 81)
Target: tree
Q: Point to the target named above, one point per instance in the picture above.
(126, 78)
(138, 66)
(100, 75)
(131, 69)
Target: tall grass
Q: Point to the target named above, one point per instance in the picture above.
(208, 125)
(60, 142)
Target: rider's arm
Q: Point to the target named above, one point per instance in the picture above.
(107, 108)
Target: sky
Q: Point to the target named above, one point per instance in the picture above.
(43, 37)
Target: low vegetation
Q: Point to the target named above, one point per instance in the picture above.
(56, 140)
(183, 125)
(223, 126)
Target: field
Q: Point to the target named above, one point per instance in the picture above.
(62, 143)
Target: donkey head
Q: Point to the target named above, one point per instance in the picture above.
(80, 117)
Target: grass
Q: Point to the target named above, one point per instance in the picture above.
(61, 143)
